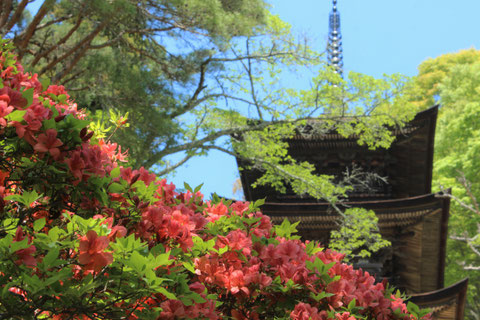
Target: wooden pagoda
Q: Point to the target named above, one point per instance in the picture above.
(411, 217)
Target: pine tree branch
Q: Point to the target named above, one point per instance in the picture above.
(81, 45)
(70, 32)
(6, 8)
(24, 38)
(15, 17)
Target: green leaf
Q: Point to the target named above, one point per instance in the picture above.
(28, 94)
(186, 301)
(14, 197)
(189, 266)
(163, 259)
(116, 188)
(413, 309)
(158, 249)
(140, 186)
(137, 262)
(19, 245)
(197, 298)
(54, 233)
(187, 187)
(16, 115)
(215, 198)
(258, 203)
(321, 295)
(62, 98)
(115, 172)
(286, 229)
(39, 224)
(167, 294)
(312, 248)
(49, 124)
(50, 257)
(62, 274)
(197, 188)
(352, 304)
(45, 83)
(28, 197)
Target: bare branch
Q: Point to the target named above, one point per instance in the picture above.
(250, 77)
(169, 169)
(467, 185)
(259, 57)
(192, 102)
(457, 200)
(470, 267)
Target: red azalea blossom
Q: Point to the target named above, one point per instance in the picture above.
(12, 97)
(76, 164)
(344, 316)
(25, 256)
(117, 232)
(304, 311)
(91, 252)
(48, 142)
(5, 109)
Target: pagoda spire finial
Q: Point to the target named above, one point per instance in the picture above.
(334, 46)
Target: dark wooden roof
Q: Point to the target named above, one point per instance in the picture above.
(447, 303)
(416, 226)
(407, 164)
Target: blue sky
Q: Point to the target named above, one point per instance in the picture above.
(379, 37)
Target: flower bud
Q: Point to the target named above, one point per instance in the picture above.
(83, 132)
(135, 178)
(88, 136)
(60, 117)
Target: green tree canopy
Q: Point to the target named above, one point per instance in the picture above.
(453, 80)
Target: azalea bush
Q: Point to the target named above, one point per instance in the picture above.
(82, 236)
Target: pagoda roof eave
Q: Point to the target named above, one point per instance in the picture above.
(388, 203)
(445, 303)
(408, 163)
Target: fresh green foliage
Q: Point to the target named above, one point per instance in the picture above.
(358, 235)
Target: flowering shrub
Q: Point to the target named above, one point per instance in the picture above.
(83, 237)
